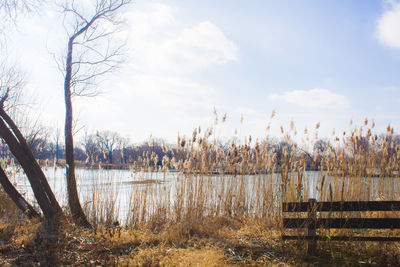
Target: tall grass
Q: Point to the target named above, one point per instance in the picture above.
(210, 188)
(214, 189)
(206, 179)
(250, 178)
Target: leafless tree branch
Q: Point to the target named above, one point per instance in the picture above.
(11, 83)
(95, 52)
(91, 53)
(10, 9)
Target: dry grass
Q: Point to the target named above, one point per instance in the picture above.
(243, 243)
(223, 206)
(141, 246)
(9, 212)
(251, 178)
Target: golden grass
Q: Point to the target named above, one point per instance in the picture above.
(223, 205)
(164, 256)
(223, 242)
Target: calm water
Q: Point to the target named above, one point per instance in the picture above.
(118, 185)
(122, 185)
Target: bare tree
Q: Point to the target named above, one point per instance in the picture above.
(57, 144)
(10, 85)
(8, 78)
(18, 146)
(108, 141)
(91, 146)
(10, 9)
(321, 148)
(35, 133)
(123, 143)
(91, 53)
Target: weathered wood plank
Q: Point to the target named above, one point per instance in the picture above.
(343, 238)
(343, 206)
(348, 223)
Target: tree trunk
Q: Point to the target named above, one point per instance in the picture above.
(18, 199)
(110, 156)
(73, 197)
(56, 154)
(31, 157)
(40, 187)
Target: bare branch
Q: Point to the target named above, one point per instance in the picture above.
(95, 53)
(11, 83)
(67, 9)
(9, 9)
(4, 98)
(90, 54)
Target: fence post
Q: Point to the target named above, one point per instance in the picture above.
(311, 226)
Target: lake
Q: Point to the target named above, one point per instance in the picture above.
(121, 192)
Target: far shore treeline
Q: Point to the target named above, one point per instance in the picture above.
(108, 149)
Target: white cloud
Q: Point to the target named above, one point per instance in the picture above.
(172, 92)
(160, 43)
(165, 50)
(388, 26)
(314, 98)
(153, 17)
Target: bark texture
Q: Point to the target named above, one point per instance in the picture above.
(73, 198)
(19, 148)
(96, 56)
(16, 197)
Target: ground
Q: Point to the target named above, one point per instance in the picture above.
(233, 243)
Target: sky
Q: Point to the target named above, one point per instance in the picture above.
(325, 62)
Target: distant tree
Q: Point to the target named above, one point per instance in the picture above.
(108, 141)
(36, 135)
(123, 145)
(56, 144)
(92, 148)
(283, 151)
(321, 147)
(80, 154)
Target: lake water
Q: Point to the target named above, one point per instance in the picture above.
(122, 186)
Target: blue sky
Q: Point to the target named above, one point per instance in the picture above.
(311, 61)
